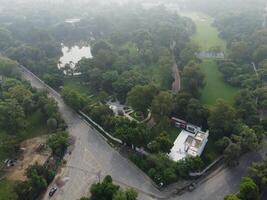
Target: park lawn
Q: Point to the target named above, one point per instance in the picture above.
(215, 87)
(173, 133)
(74, 84)
(206, 35)
(6, 190)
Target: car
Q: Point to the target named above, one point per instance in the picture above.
(10, 162)
(52, 191)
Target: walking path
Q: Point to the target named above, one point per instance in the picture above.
(176, 85)
(255, 69)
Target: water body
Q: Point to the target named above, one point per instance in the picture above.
(72, 55)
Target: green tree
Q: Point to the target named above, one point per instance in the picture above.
(232, 154)
(162, 105)
(248, 189)
(231, 197)
(193, 79)
(131, 194)
(162, 143)
(105, 190)
(187, 165)
(12, 116)
(222, 119)
(140, 97)
(249, 140)
(240, 51)
(126, 81)
(99, 113)
(58, 142)
(73, 98)
(180, 102)
(8, 67)
(260, 53)
(196, 113)
(51, 124)
(258, 172)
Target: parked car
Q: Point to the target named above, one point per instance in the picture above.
(52, 191)
(10, 162)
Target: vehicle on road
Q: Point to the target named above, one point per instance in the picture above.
(52, 191)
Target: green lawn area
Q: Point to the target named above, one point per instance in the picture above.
(74, 84)
(173, 133)
(206, 35)
(215, 86)
(6, 190)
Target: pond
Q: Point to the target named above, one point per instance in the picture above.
(72, 55)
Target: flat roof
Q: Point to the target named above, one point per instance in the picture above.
(178, 150)
(187, 143)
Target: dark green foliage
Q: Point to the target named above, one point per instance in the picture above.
(162, 170)
(258, 172)
(232, 154)
(193, 79)
(38, 179)
(8, 67)
(99, 113)
(58, 142)
(222, 119)
(248, 189)
(73, 98)
(105, 190)
(162, 105)
(162, 143)
(52, 124)
(231, 197)
(140, 97)
(189, 164)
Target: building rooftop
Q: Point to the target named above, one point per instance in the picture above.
(188, 144)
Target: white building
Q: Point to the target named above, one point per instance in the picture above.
(189, 144)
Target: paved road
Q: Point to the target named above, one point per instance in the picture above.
(223, 182)
(92, 156)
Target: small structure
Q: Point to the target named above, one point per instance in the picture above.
(116, 107)
(190, 142)
(207, 54)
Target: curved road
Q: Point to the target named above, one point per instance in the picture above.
(92, 158)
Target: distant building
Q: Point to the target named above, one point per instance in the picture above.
(190, 142)
(206, 54)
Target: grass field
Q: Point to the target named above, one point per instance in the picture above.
(206, 35)
(6, 190)
(74, 84)
(215, 86)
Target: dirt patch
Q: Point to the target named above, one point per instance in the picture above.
(33, 151)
